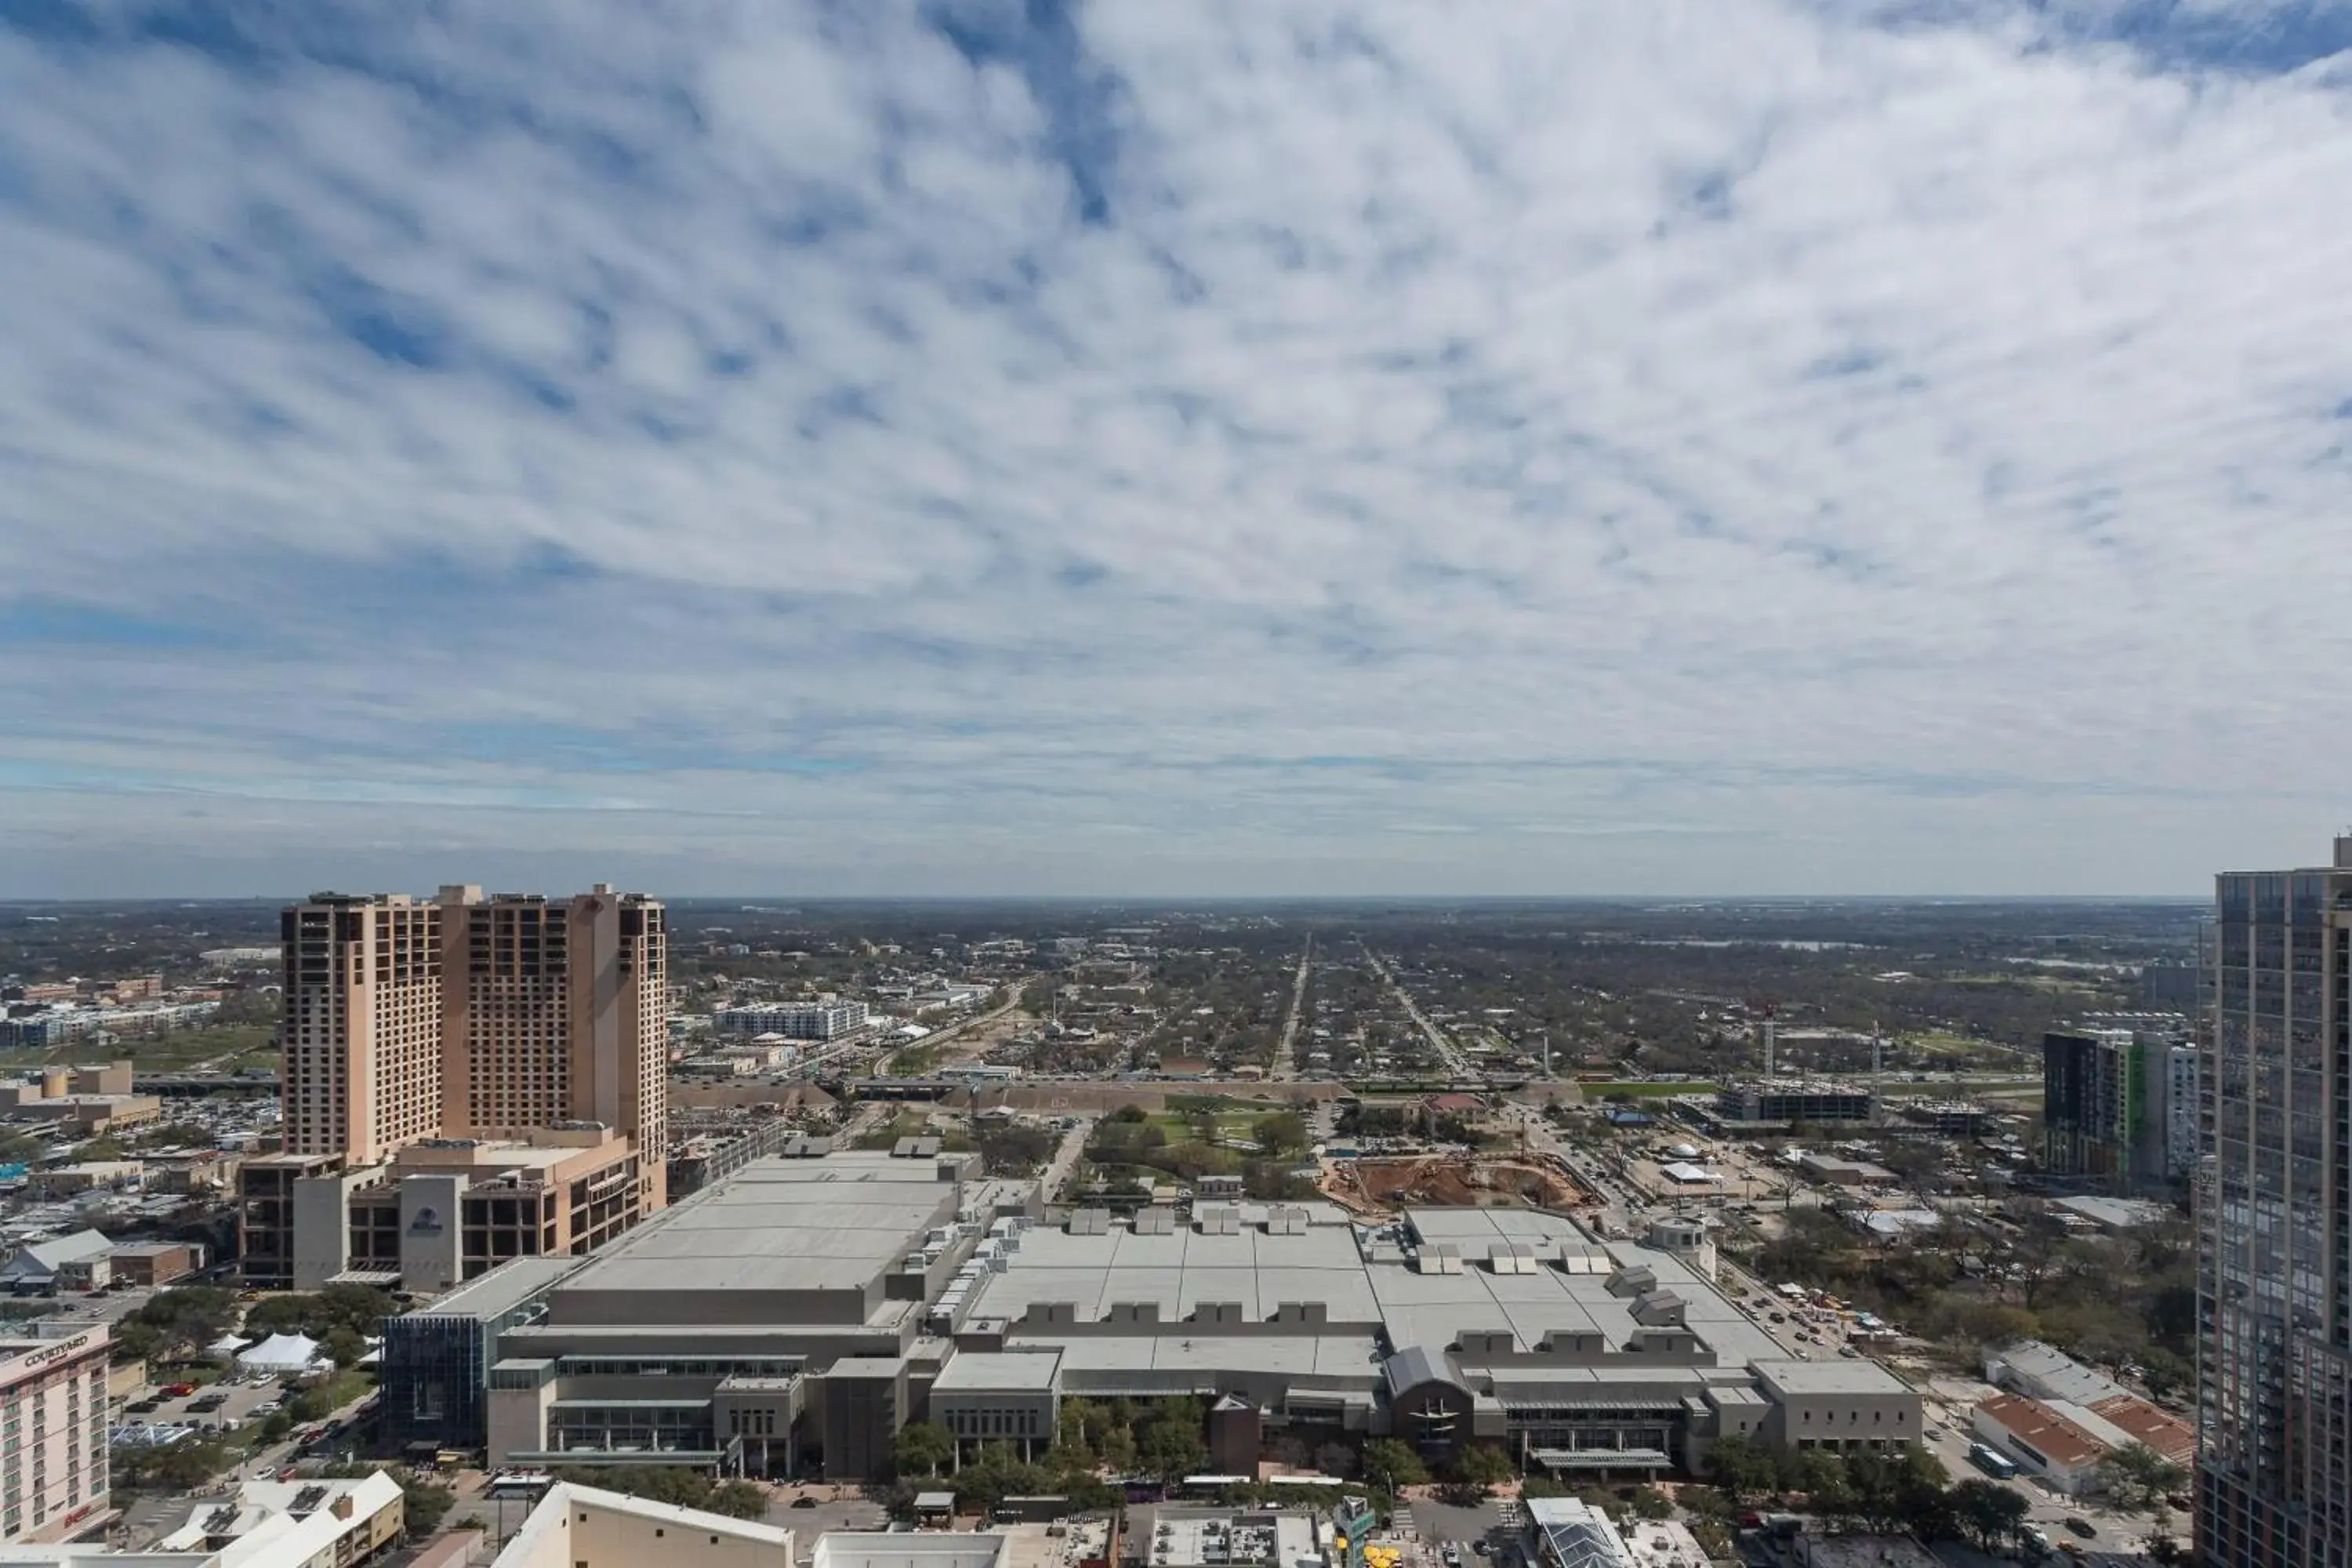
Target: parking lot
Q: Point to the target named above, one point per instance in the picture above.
(809, 1511)
(222, 1406)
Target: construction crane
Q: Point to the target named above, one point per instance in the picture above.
(1766, 1011)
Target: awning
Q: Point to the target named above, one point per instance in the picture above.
(1602, 1459)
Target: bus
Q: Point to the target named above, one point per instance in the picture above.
(1992, 1461)
(529, 1486)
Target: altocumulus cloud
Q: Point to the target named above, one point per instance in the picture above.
(1671, 444)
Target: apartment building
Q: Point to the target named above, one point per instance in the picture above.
(53, 1433)
(2107, 1097)
(2181, 1111)
(824, 1019)
(2274, 1242)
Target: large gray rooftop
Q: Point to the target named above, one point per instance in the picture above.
(501, 1291)
(1828, 1377)
(1370, 1286)
(786, 1228)
(1013, 1371)
(1178, 1273)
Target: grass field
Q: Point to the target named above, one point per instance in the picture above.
(230, 1047)
(1644, 1089)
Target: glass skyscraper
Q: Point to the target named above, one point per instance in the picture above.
(2274, 1192)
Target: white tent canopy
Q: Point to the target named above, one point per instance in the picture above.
(280, 1352)
(227, 1344)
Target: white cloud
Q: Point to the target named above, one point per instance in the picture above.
(1614, 447)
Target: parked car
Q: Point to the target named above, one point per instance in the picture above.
(2081, 1526)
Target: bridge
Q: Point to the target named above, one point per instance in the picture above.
(197, 1085)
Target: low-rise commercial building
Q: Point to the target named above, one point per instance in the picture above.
(1567, 1532)
(264, 1524)
(588, 1527)
(84, 1101)
(2067, 1443)
(439, 1211)
(1839, 1172)
(44, 1265)
(1189, 1536)
(2043, 1439)
(146, 1264)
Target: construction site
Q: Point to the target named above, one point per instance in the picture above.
(1382, 1186)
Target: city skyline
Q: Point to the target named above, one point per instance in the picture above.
(1749, 447)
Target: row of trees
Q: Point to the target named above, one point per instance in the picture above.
(2111, 1300)
(1159, 1438)
(675, 1485)
(1907, 1490)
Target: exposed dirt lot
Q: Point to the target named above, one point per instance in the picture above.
(1451, 1180)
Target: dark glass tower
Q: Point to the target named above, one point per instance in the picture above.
(2274, 1191)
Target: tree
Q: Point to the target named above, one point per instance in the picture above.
(423, 1503)
(737, 1499)
(923, 1448)
(1988, 1513)
(1168, 1439)
(1651, 1502)
(1482, 1465)
(1743, 1467)
(1283, 1133)
(343, 1345)
(1389, 1465)
(1822, 1477)
(2137, 1478)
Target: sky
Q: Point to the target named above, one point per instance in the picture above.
(1269, 448)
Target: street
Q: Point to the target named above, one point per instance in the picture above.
(1065, 1159)
(1285, 1062)
(1456, 1064)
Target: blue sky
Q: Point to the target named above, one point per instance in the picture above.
(1267, 447)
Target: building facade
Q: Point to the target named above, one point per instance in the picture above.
(821, 1020)
(2274, 1253)
(53, 1434)
(470, 1016)
(436, 1360)
(2181, 1112)
(360, 1073)
(439, 1212)
(558, 1010)
(1792, 1100)
(2108, 1095)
